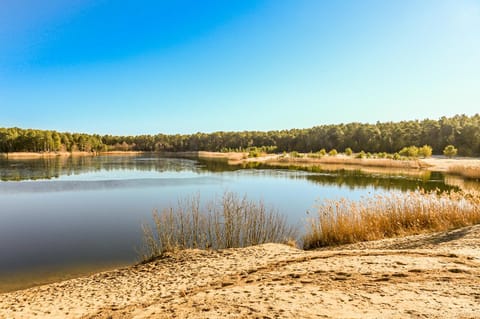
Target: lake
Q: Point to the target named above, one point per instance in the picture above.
(69, 215)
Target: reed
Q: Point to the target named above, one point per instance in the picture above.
(471, 172)
(389, 215)
(228, 222)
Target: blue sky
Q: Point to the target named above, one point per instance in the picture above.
(134, 67)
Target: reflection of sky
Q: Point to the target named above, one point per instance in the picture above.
(122, 174)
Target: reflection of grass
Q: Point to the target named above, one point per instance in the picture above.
(345, 221)
(472, 172)
(226, 223)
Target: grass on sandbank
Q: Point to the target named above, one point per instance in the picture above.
(390, 215)
(471, 172)
(228, 222)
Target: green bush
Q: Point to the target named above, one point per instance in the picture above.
(450, 151)
(361, 154)
(411, 151)
(425, 151)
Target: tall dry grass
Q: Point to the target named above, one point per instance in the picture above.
(472, 172)
(228, 222)
(390, 215)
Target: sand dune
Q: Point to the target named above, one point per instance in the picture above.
(425, 276)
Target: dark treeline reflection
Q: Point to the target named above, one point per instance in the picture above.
(355, 178)
(48, 168)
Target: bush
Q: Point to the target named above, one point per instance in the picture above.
(450, 151)
(411, 151)
(361, 154)
(425, 151)
(348, 151)
(333, 152)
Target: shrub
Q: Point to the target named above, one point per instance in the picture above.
(361, 154)
(348, 151)
(333, 152)
(450, 151)
(411, 151)
(425, 151)
(322, 152)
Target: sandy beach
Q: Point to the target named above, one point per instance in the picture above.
(422, 276)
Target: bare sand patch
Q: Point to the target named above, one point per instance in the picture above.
(434, 276)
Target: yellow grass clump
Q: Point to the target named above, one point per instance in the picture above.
(390, 215)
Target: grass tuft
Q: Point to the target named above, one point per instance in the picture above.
(390, 215)
(228, 222)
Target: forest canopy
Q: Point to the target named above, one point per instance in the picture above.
(461, 131)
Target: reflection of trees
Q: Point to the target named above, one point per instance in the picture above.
(362, 180)
(48, 168)
(349, 178)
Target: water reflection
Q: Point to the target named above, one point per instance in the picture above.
(351, 177)
(49, 168)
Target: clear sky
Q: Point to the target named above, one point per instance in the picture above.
(178, 66)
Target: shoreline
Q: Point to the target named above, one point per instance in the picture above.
(434, 164)
(35, 155)
(428, 275)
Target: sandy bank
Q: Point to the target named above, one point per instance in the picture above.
(434, 276)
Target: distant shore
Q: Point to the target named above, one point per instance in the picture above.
(33, 155)
(435, 164)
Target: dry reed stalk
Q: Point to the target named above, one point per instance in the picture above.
(472, 172)
(390, 215)
(226, 223)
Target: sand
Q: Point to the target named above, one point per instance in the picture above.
(423, 276)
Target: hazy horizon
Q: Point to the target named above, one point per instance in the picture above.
(180, 67)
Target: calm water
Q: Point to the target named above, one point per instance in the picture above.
(74, 212)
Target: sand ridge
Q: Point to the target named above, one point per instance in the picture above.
(423, 276)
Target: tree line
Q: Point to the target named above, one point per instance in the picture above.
(461, 131)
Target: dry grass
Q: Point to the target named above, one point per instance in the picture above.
(391, 215)
(347, 160)
(225, 223)
(472, 172)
